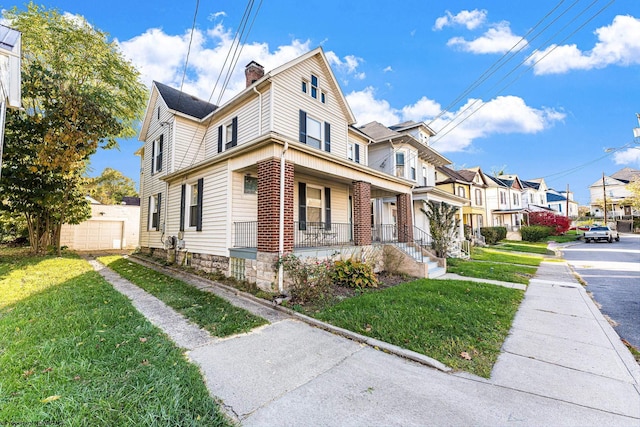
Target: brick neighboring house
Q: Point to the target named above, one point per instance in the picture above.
(212, 176)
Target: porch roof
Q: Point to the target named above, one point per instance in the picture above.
(508, 211)
(472, 210)
(433, 193)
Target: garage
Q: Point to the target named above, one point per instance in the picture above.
(94, 235)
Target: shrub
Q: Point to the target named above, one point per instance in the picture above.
(310, 282)
(353, 274)
(558, 223)
(535, 233)
(493, 235)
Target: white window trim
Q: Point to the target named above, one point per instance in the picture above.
(153, 205)
(156, 153)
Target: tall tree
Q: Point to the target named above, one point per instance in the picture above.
(634, 189)
(110, 187)
(79, 94)
(443, 225)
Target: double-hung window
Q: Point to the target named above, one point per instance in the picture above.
(353, 152)
(156, 154)
(228, 135)
(155, 202)
(400, 164)
(313, 132)
(191, 205)
(478, 197)
(424, 176)
(462, 192)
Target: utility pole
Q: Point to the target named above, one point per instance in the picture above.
(604, 192)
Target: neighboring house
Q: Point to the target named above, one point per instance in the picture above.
(110, 227)
(212, 175)
(468, 185)
(10, 75)
(613, 188)
(534, 194)
(561, 203)
(403, 151)
(504, 201)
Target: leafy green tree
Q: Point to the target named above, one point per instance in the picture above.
(110, 187)
(79, 94)
(443, 225)
(634, 188)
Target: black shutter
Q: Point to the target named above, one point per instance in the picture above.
(357, 149)
(153, 157)
(199, 218)
(183, 195)
(150, 214)
(160, 149)
(219, 139)
(303, 127)
(234, 131)
(302, 205)
(159, 210)
(327, 137)
(327, 208)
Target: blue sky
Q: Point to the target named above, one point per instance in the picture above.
(543, 86)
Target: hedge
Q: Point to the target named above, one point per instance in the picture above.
(535, 233)
(493, 235)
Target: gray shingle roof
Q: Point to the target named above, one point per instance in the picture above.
(378, 131)
(626, 174)
(184, 103)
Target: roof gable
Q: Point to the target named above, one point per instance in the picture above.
(333, 82)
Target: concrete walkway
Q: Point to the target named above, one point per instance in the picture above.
(562, 364)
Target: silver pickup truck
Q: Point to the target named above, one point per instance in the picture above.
(601, 232)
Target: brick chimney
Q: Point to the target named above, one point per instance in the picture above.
(253, 72)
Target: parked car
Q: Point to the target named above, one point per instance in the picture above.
(602, 232)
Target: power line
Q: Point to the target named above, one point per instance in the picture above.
(440, 136)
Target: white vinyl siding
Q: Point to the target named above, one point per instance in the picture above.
(289, 100)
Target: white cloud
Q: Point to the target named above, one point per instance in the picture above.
(346, 66)
(502, 115)
(618, 44)
(214, 16)
(627, 157)
(160, 56)
(387, 69)
(458, 129)
(367, 108)
(471, 19)
(497, 39)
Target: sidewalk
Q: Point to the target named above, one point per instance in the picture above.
(562, 364)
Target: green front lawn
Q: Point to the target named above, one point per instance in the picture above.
(495, 255)
(209, 311)
(73, 351)
(518, 246)
(462, 324)
(491, 270)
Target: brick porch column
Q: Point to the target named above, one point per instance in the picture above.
(361, 213)
(405, 220)
(269, 206)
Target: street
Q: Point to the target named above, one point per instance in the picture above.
(612, 273)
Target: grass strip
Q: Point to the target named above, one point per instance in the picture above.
(209, 311)
(462, 324)
(491, 270)
(74, 352)
(494, 255)
(535, 248)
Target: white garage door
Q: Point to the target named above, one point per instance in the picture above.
(98, 235)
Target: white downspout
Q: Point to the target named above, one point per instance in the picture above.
(281, 227)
